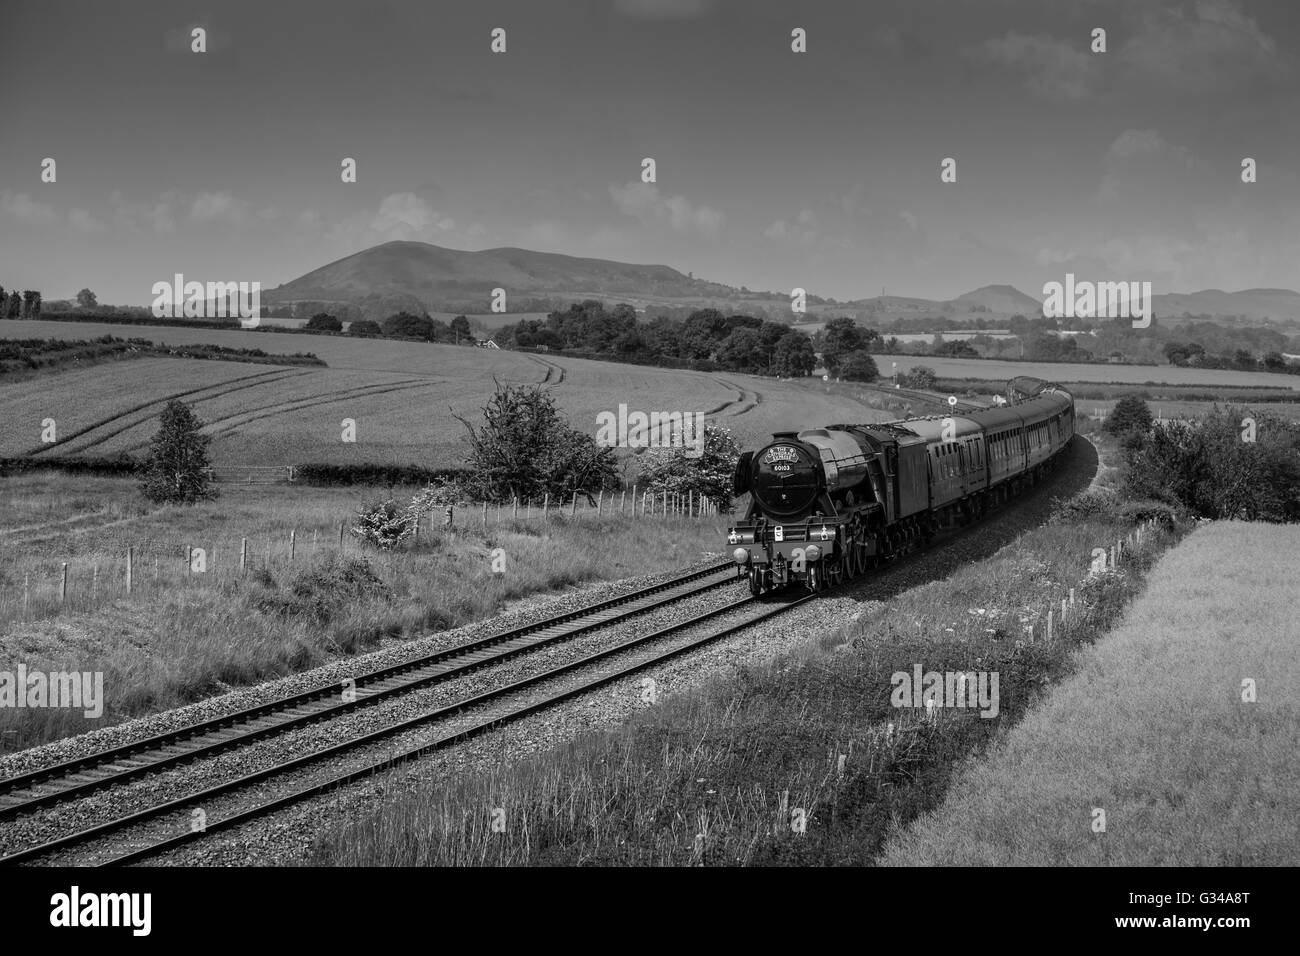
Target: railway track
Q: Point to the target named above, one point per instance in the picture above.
(73, 779)
(143, 847)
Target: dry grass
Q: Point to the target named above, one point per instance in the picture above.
(181, 635)
(1153, 730)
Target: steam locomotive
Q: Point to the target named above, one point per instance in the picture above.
(828, 503)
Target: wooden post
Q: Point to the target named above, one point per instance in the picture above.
(690, 503)
(243, 555)
(622, 502)
(1049, 625)
(485, 514)
(130, 561)
(293, 544)
(1062, 612)
(341, 526)
(665, 504)
(546, 505)
(63, 584)
(313, 539)
(498, 511)
(528, 514)
(515, 506)
(155, 570)
(449, 517)
(415, 535)
(573, 505)
(634, 503)
(1071, 597)
(600, 502)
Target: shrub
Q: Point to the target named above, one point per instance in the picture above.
(384, 524)
(364, 327)
(324, 322)
(859, 367)
(1131, 414)
(920, 377)
(318, 594)
(672, 470)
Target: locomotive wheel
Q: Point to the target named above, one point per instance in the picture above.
(816, 577)
(835, 573)
(755, 582)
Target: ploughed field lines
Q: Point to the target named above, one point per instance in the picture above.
(123, 795)
(225, 408)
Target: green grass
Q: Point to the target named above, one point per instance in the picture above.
(180, 636)
(1152, 729)
(714, 776)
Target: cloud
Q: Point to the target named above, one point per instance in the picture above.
(663, 9)
(400, 217)
(1141, 165)
(643, 201)
(83, 222)
(220, 207)
(1053, 69)
(1205, 46)
(25, 209)
(802, 231)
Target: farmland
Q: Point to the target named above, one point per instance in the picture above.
(402, 396)
(1062, 372)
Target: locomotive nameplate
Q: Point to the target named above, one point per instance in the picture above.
(779, 453)
(778, 533)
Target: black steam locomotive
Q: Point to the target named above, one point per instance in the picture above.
(828, 503)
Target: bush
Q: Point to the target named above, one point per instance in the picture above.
(524, 449)
(672, 470)
(1131, 414)
(384, 525)
(324, 322)
(404, 325)
(920, 377)
(322, 473)
(859, 367)
(364, 327)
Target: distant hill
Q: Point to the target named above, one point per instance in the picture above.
(418, 276)
(405, 274)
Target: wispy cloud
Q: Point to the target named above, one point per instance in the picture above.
(644, 202)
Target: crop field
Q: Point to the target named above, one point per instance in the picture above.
(403, 397)
(1190, 410)
(1066, 372)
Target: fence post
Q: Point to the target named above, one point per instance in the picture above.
(498, 511)
(243, 552)
(293, 544)
(546, 505)
(634, 503)
(130, 560)
(690, 503)
(665, 504)
(415, 535)
(573, 505)
(63, 584)
(485, 514)
(600, 502)
(622, 502)
(1049, 625)
(341, 524)
(449, 517)
(515, 513)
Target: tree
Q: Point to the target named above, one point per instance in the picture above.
(86, 299)
(840, 337)
(324, 322)
(920, 376)
(708, 475)
(31, 305)
(525, 449)
(793, 356)
(859, 367)
(461, 330)
(404, 325)
(1130, 414)
(4, 303)
(15, 308)
(176, 468)
(364, 327)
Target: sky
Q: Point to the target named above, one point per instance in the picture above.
(774, 169)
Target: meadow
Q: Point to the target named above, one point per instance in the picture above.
(1155, 728)
(403, 397)
(181, 635)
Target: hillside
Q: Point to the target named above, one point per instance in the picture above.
(441, 279)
